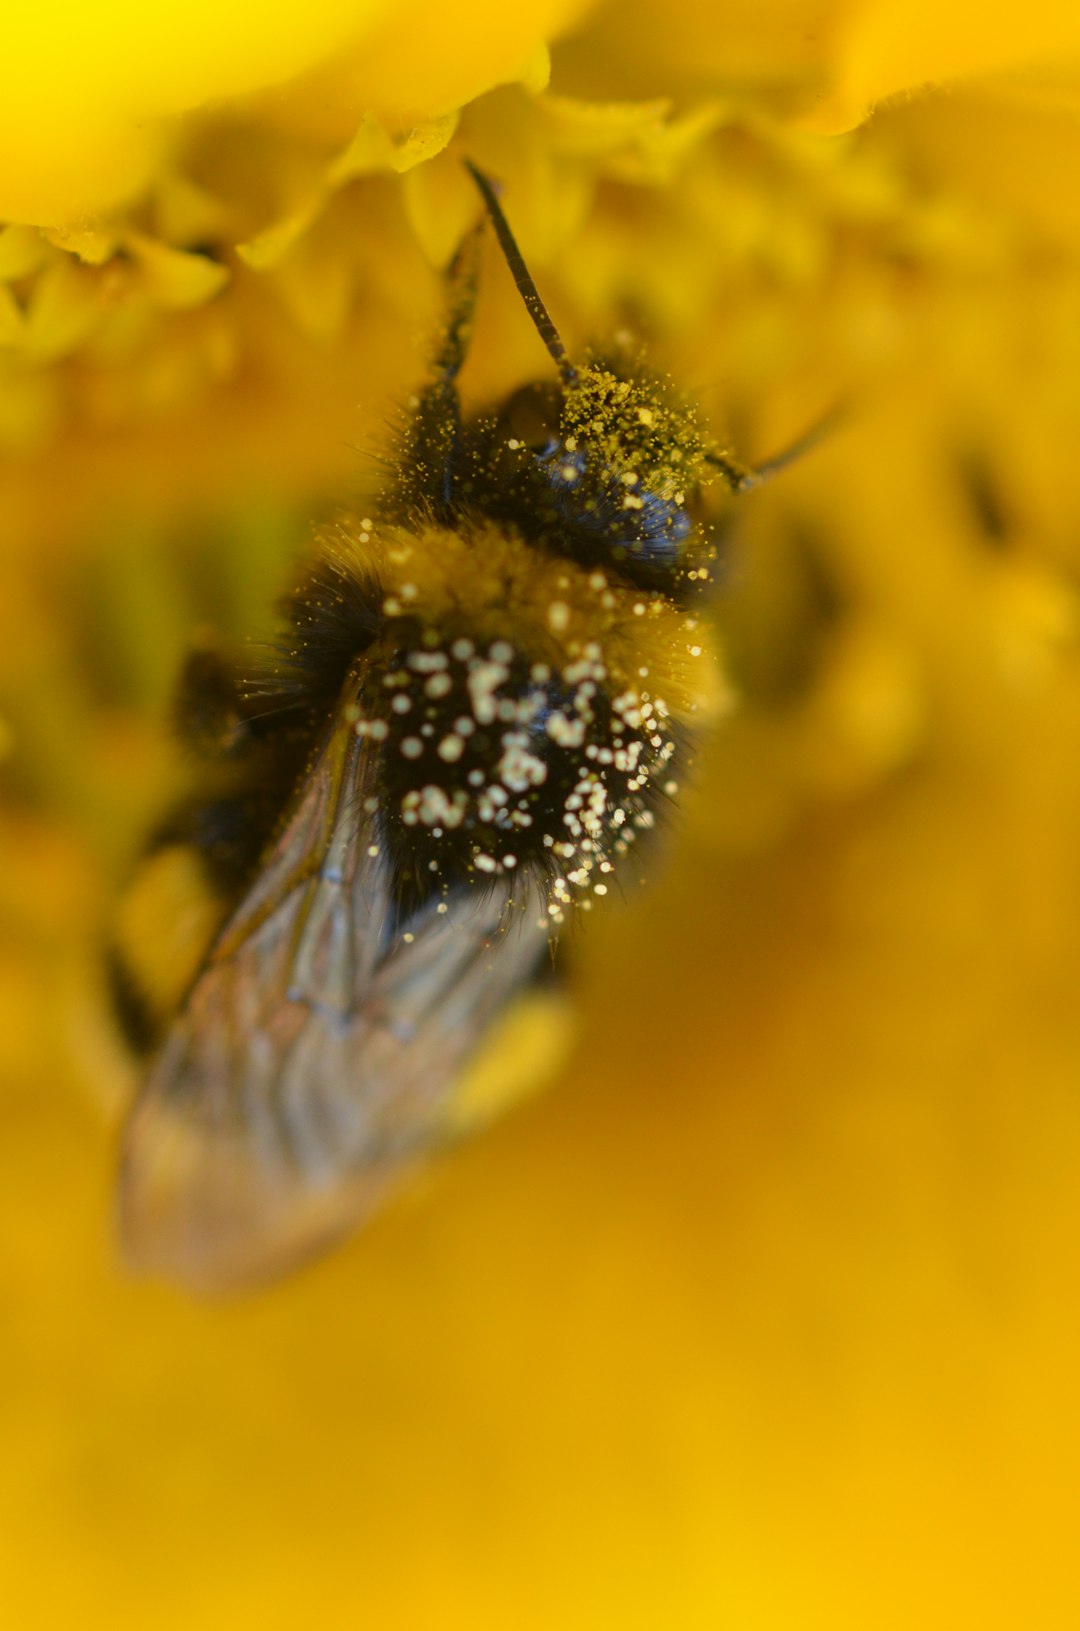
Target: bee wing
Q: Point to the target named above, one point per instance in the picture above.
(317, 1052)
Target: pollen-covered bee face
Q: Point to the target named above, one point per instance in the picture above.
(608, 466)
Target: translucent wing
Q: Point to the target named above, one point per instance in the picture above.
(317, 1052)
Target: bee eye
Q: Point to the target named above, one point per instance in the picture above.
(532, 418)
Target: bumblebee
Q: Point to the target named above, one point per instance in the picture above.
(336, 957)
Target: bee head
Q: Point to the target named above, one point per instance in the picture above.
(603, 465)
(609, 464)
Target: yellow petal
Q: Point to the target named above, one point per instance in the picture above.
(22, 251)
(11, 318)
(176, 281)
(65, 309)
(893, 46)
(92, 99)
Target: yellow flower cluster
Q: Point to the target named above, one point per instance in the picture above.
(766, 1317)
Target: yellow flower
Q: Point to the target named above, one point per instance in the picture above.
(765, 1317)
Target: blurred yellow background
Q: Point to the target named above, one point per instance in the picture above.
(765, 1317)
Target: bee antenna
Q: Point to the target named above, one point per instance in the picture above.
(522, 276)
(741, 480)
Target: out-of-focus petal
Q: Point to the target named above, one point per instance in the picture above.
(885, 48)
(93, 97)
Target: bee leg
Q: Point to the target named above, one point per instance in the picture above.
(462, 277)
(131, 1010)
(207, 710)
(434, 436)
(165, 922)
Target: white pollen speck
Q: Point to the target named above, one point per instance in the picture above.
(426, 662)
(367, 522)
(438, 685)
(501, 652)
(483, 681)
(564, 732)
(401, 704)
(373, 850)
(437, 810)
(391, 607)
(599, 888)
(639, 608)
(451, 748)
(442, 907)
(412, 747)
(408, 939)
(518, 769)
(485, 863)
(695, 651)
(558, 617)
(462, 650)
